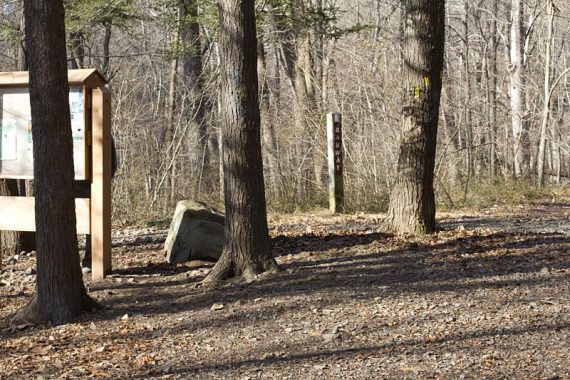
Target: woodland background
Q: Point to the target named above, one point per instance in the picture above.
(161, 58)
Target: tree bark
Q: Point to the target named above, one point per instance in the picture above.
(60, 293)
(467, 105)
(106, 67)
(192, 68)
(492, 92)
(267, 131)
(13, 242)
(412, 201)
(168, 143)
(550, 10)
(304, 105)
(518, 112)
(247, 248)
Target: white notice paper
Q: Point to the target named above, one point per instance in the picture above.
(77, 115)
(9, 138)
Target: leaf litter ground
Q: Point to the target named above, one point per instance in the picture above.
(488, 297)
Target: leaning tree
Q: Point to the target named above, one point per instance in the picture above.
(412, 200)
(247, 248)
(60, 293)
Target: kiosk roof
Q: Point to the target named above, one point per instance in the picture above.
(88, 77)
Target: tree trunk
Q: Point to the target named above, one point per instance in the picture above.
(556, 142)
(303, 108)
(22, 60)
(77, 49)
(412, 201)
(13, 242)
(60, 294)
(467, 105)
(546, 108)
(492, 92)
(192, 68)
(106, 67)
(520, 137)
(267, 130)
(168, 144)
(247, 248)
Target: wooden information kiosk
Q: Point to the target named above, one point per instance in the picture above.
(90, 107)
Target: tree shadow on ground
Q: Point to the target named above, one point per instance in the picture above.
(402, 346)
(460, 265)
(359, 264)
(288, 245)
(546, 223)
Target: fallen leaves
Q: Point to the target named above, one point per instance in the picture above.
(484, 298)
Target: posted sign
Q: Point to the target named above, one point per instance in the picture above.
(90, 109)
(335, 162)
(16, 146)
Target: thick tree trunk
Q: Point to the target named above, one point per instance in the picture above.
(412, 201)
(60, 294)
(247, 248)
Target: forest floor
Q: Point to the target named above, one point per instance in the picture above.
(488, 297)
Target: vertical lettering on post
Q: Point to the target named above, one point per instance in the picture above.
(335, 162)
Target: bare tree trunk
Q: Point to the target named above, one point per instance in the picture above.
(15, 241)
(556, 142)
(467, 88)
(303, 107)
(451, 142)
(168, 144)
(518, 112)
(550, 10)
(60, 294)
(22, 62)
(412, 201)
(11, 240)
(77, 41)
(492, 92)
(267, 131)
(247, 249)
(106, 69)
(192, 66)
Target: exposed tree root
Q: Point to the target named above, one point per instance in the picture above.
(32, 315)
(226, 269)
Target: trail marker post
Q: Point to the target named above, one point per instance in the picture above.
(90, 108)
(335, 162)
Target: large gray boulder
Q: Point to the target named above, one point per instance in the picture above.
(196, 233)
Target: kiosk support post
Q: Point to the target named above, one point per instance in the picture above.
(90, 106)
(101, 184)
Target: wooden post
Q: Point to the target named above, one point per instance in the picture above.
(101, 184)
(335, 162)
(94, 159)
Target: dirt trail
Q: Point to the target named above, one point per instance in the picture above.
(486, 298)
